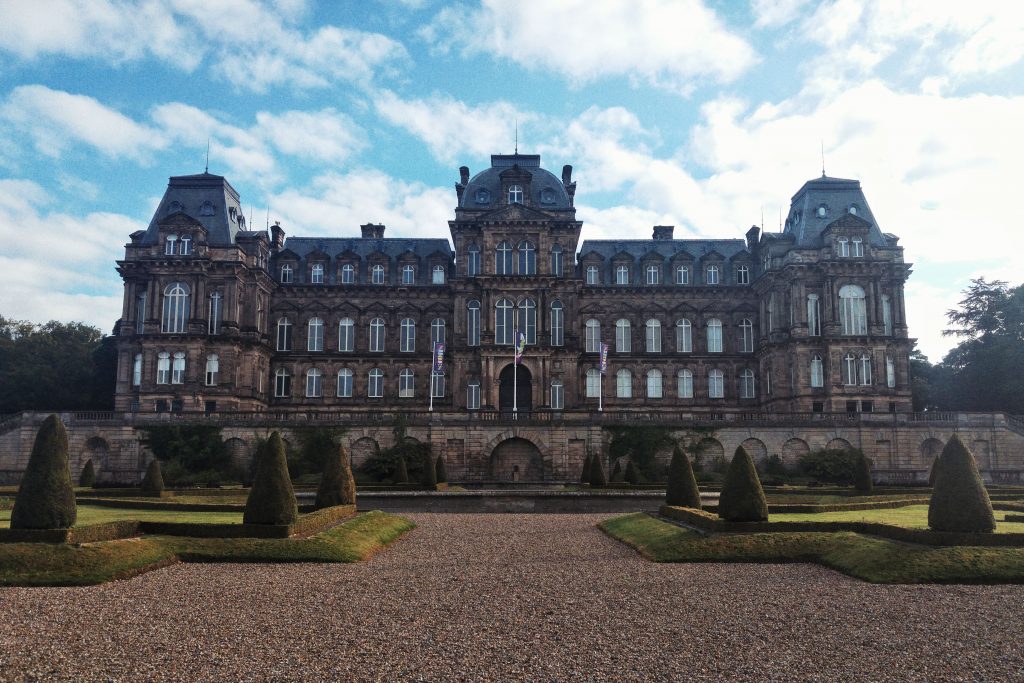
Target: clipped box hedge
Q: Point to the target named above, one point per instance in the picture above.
(709, 522)
(306, 525)
(161, 504)
(93, 533)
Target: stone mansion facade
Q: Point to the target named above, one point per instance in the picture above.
(219, 318)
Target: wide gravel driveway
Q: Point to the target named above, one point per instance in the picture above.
(510, 597)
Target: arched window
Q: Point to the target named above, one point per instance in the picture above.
(406, 384)
(747, 341)
(348, 274)
(682, 275)
(527, 258)
(852, 310)
(743, 275)
(345, 383)
(216, 313)
(282, 383)
(178, 368)
(592, 273)
(653, 336)
(171, 245)
(623, 343)
(315, 337)
(714, 335)
(557, 394)
(593, 383)
(137, 370)
(556, 261)
(684, 382)
(528, 320)
(437, 331)
(437, 275)
(212, 369)
(887, 315)
(287, 274)
(624, 384)
(163, 368)
(684, 336)
(843, 247)
(653, 275)
(747, 384)
(377, 275)
(437, 382)
(176, 305)
(716, 384)
(711, 275)
(654, 384)
(593, 336)
(375, 385)
(473, 260)
(284, 334)
(849, 369)
(377, 334)
(473, 323)
(817, 371)
(515, 194)
(316, 274)
(813, 316)
(557, 323)
(503, 259)
(890, 373)
(346, 334)
(407, 338)
(314, 383)
(865, 369)
(622, 275)
(185, 245)
(857, 245)
(473, 394)
(408, 275)
(504, 322)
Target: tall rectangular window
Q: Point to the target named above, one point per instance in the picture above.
(140, 313)
(557, 324)
(163, 368)
(890, 373)
(592, 275)
(178, 368)
(593, 383)
(212, 369)
(137, 370)
(557, 395)
(345, 383)
(473, 323)
(622, 275)
(813, 316)
(887, 315)
(346, 334)
(473, 395)
(216, 312)
(682, 275)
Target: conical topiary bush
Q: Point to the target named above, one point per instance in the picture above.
(742, 498)
(331, 490)
(271, 498)
(632, 476)
(933, 471)
(88, 476)
(585, 474)
(682, 488)
(959, 500)
(46, 497)
(153, 482)
(617, 474)
(441, 471)
(862, 477)
(401, 471)
(597, 476)
(429, 476)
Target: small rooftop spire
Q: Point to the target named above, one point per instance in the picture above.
(822, 158)
(517, 135)
(207, 169)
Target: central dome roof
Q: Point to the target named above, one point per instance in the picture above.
(543, 191)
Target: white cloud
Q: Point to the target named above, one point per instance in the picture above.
(326, 135)
(775, 13)
(254, 45)
(668, 43)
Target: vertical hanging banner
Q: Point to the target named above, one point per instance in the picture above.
(604, 359)
(438, 356)
(520, 346)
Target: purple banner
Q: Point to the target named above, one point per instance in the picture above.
(604, 359)
(520, 346)
(438, 357)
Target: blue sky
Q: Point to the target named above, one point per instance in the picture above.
(704, 115)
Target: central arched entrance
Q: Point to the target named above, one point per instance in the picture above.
(517, 460)
(518, 381)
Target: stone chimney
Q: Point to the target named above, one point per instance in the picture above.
(276, 235)
(373, 231)
(566, 174)
(663, 232)
(464, 175)
(753, 239)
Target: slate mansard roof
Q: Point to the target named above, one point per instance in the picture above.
(837, 196)
(392, 247)
(484, 191)
(667, 249)
(207, 198)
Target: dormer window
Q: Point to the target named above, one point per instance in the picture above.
(287, 274)
(853, 209)
(348, 274)
(622, 275)
(682, 275)
(408, 275)
(591, 275)
(483, 196)
(515, 194)
(437, 275)
(742, 275)
(822, 211)
(711, 277)
(171, 245)
(857, 248)
(316, 274)
(377, 275)
(653, 275)
(547, 196)
(185, 245)
(843, 247)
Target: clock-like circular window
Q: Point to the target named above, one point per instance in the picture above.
(483, 196)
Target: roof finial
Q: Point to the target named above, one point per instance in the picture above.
(822, 158)
(268, 215)
(762, 216)
(207, 170)
(517, 135)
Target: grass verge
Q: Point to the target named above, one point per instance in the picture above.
(867, 558)
(45, 564)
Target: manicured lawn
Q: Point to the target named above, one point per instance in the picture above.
(831, 499)
(912, 516)
(46, 564)
(867, 558)
(89, 514)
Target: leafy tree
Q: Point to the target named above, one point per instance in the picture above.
(835, 466)
(189, 453)
(959, 500)
(640, 445)
(153, 482)
(46, 497)
(682, 488)
(315, 447)
(88, 476)
(742, 498)
(923, 375)
(271, 498)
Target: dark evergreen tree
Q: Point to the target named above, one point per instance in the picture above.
(959, 500)
(272, 498)
(742, 498)
(46, 497)
(153, 482)
(401, 471)
(682, 488)
(933, 470)
(632, 476)
(331, 490)
(88, 476)
(429, 476)
(597, 476)
(617, 474)
(862, 478)
(585, 474)
(441, 470)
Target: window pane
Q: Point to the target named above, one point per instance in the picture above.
(557, 324)
(624, 384)
(684, 339)
(684, 380)
(714, 336)
(557, 395)
(473, 323)
(653, 336)
(622, 336)
(593, 336)
(654, 384)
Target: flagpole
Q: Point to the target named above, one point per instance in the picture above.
(515, 384)
(431, 408)
(600, 395)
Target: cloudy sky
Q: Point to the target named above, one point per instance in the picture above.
(706, 115)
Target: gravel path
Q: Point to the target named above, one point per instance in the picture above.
(510, 597)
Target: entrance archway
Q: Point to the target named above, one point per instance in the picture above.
(517, 460)
(508, 379)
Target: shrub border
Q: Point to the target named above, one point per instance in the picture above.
(161, 505)
(307, 525)
(92, 533)
(709, 522)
